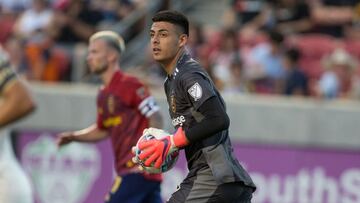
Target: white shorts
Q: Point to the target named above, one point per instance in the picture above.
(15, 187)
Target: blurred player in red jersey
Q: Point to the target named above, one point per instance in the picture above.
(125, 109)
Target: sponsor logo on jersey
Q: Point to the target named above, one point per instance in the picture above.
(178, 120)
(112, 121)
(195, 91)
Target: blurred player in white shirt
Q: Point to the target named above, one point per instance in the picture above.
(15, 103)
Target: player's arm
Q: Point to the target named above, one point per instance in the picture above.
(215, 119)
(155, 120)
(15, 103)
(148, 107)
(211, 119)
(89, 134)
(211, 113)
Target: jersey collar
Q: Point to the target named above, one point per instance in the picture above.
(179, 64)
(116, 77)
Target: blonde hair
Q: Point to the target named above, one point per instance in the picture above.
(111, 38)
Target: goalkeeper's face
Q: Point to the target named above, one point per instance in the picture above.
(98, 57)
(166, 40)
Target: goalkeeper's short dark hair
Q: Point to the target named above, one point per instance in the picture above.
(173, 17)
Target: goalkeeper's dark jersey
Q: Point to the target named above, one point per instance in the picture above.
(187, 89)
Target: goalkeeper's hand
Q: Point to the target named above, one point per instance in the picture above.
(156, 150)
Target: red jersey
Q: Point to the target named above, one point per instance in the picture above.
(123, 110)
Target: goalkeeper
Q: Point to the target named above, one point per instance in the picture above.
(198, 113)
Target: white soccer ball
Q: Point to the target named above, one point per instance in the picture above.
(169, 161)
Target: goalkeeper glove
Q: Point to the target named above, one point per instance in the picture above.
(156, 150)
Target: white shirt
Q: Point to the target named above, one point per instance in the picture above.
(329, 85)
(11, 174)
(15, 5)
(6, 153)
(31, 20)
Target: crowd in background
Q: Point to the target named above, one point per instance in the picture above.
(46, 39)
(289, 47)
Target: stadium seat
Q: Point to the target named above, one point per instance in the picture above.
(7, 23)
(353, 47)
(312, 67)
(252, 41)
(315, 45)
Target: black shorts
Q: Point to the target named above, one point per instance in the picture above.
(202, 188)
(134, 188)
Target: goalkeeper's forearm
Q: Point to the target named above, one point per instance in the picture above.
(214, 120)
(90, 134)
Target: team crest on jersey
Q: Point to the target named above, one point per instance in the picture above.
(195, 91)
(173, 103)
(111, 104)
(141, 92)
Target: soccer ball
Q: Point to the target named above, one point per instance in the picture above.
(168, 163)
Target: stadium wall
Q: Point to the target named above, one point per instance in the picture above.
(254, 119)
(295, 150)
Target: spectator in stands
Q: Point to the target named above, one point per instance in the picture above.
(7, 23)
(110, 10)
(73, 21)
(337, 80)
(114, 10)
(248, 16)
(352, 31)
(149, 72)
(296, 82)
(284, 16)
(196, 40)
(292, 16)
(237, 83)
(222, 58)
(46, 62)
(32, 24)
(243, 12)
(332, 16)
(263, 66)
(15, 6)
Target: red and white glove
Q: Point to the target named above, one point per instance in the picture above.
(156, 150)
